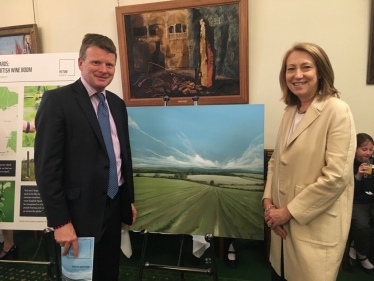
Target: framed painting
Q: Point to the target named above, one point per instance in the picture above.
(370, 71)
(185, 52)
(20, 39)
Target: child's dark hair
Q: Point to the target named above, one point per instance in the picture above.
(362, 138)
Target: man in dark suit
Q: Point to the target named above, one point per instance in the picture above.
(72, 159)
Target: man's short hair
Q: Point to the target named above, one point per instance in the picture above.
(97, 40)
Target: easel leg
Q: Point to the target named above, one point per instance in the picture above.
(57, 258)
(180, 258)
(142, 259)
(210, 271)
(45, 238)
(46, 251)
(210, 239)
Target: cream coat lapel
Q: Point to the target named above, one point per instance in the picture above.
(287, 121)
(313, 112)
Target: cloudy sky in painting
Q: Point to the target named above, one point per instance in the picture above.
(219, 136)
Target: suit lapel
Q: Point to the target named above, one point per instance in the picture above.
(85, 103)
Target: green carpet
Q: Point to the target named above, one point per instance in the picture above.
(162, 249)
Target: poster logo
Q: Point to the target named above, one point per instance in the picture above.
(67, 67)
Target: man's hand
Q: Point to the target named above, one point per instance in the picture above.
(66, 237)
(134, 213)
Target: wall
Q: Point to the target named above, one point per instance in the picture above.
(340, 27)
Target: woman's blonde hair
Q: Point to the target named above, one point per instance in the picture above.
(324, 71)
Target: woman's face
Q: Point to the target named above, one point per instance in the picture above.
(364, 151)
(301, 75)
(27, 39)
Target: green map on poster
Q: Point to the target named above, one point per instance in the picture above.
(8, 122)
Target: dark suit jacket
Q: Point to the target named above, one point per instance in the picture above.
(71, 162)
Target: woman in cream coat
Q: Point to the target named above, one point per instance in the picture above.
(309, 191)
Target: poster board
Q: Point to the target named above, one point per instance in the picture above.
(23, 80)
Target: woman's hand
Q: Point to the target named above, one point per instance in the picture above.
(276, 218)
(267, 203)
(280, 231)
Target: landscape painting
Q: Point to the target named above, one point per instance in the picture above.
(199, 169)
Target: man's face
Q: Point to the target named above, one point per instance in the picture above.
(98, 67)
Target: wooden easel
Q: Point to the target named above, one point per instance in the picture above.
(212, 271)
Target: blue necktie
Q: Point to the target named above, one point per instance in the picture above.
(103, 117)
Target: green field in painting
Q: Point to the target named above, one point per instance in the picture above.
(169, 205)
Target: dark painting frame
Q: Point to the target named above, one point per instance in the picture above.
(30, 30)
(181, 52)
(370, 69)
